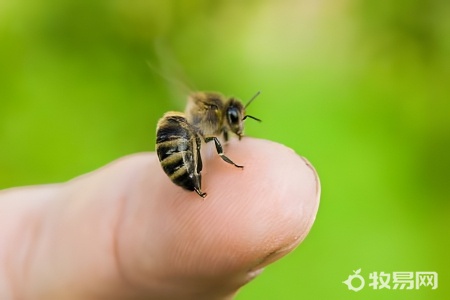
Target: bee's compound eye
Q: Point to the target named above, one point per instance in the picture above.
(233, 115)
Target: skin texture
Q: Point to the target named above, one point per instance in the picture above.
(125, 231)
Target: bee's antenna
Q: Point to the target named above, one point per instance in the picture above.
(251, 117)
(248, 103)
(251, 100)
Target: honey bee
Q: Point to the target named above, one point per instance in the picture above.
(179, 135)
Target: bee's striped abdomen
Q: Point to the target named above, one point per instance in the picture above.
(178, 150)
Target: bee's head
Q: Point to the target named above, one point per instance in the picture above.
(235, 115)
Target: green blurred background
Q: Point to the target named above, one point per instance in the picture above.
(361, 88)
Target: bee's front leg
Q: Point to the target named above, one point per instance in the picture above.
(225, 135)
(220, 151)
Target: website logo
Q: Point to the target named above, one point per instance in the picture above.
(392, 281)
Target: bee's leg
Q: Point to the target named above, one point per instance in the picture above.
(200, 193)
(220, 151)
(225, 135)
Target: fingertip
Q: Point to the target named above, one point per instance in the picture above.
(276, 188)
(264, 210)
(249, 218)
